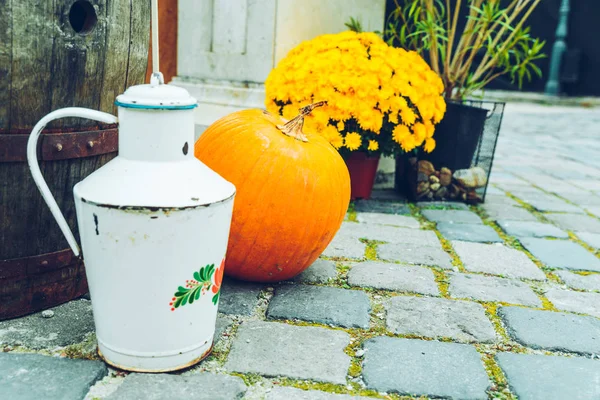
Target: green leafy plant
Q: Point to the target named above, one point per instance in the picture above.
(354, 25)
(493, 40)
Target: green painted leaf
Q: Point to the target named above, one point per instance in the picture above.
(185, 299)
(198, 292)
(211, 271)
(197, 276)
(177, 302)
(215, 298)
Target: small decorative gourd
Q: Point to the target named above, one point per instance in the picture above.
(293, 191)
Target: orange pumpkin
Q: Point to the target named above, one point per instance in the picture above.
(292, 194)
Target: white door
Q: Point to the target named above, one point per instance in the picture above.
(226, 39)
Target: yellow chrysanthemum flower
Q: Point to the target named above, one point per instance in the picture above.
(429, 145)
(408, 115)
(400, 133)
(369, 88)
(352, 141)
(337, 141)
(430, 129)
(408, 143)
(420, 132)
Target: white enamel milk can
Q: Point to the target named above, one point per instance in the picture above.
(154, 224)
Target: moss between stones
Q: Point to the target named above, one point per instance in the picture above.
(25, 350)
(442, 280)
(371, 249)
(585, 273)
(342, 275)
(352, 212)
(352, 388)
(540, 216)
(491, 309)
(499, 389)
(221, 351)
(583, 244)
(429, 225)
(85, 350)
(249, 379)
(341, 259)
(416, 213)
(456, 261)
(546, 304)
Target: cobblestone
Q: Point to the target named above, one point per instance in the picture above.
(576, 281)
(554, 331)
(388, 219)
(290, 393)
(276, 349)
(468, 232)
(325, 305)
(71, 323)
(533, 377)
(202, 386)
(594, 210)
(381, 206)
(430, 368)
(345, 246)
(320, 271)
(566, 300)
(576, 222)
(439, 318)
(487, 288)
(395, 277)
(388, 234)
(592, 239)
(585, 200)
(33, 376)
(507, 212)
(562, 254)
(415, 254)
(498, 199)
(531, 229)
(547, 203)
(454, 216)
(442, 204)
(497, 260)
(238, 297)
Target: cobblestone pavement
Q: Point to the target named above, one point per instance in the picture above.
(409, 301)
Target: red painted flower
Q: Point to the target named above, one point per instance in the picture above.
(218, 277)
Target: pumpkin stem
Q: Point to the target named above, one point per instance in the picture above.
(293, 128)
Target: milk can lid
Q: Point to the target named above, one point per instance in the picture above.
(156, 96)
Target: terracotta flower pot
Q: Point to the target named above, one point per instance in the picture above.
(362, 170)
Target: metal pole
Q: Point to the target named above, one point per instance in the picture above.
(558, 50)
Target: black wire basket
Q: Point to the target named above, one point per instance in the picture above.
(459, 168)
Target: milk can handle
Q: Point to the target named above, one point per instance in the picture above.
(35, 168)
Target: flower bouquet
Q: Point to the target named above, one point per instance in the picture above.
(379, 99)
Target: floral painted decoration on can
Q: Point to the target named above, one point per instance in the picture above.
(202, 283)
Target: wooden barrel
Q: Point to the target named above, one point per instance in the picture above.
(56, 54)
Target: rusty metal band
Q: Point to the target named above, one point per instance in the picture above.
(24, 266)
(60, 146)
